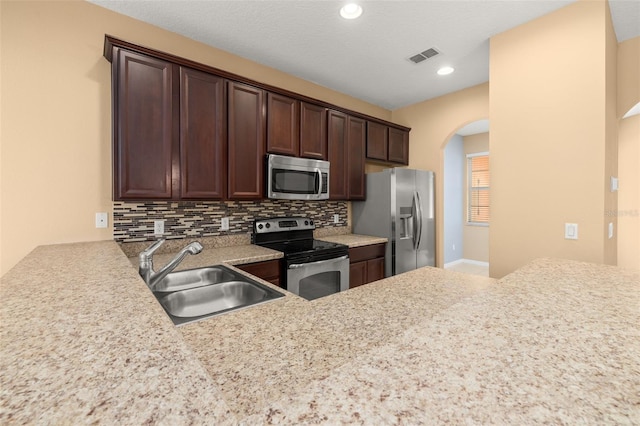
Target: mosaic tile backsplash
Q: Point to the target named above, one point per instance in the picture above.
(192, 219)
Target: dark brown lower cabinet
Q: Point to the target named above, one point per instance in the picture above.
(269, 270)
(366, 264)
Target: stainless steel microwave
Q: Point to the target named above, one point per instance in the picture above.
(290, 178)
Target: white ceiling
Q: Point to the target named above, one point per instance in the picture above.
(366, 58)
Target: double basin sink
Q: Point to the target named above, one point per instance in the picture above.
(195, 294)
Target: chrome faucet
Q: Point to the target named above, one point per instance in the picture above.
(146, 262)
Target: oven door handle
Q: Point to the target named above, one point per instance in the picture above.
(320, 262)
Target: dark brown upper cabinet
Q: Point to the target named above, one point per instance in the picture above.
(247, 141)
(145, 144)
(398, 146)
(185, 130)
(356, 141)
(169, 127)
(377, 141)
(387, 144)
(313, 131)
(337, 144)
(346, 145)
(203, 144)
(283, 134)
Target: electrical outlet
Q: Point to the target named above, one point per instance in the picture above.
(336, 218)
(224, 224)
(610, 229)
(158, 227)
(102, 220)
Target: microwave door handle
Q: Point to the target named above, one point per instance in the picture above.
(319, 174)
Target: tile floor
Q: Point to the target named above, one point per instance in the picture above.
(470, 268)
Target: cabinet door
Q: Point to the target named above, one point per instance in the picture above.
(398, 146)
(313, 131)
(283, 135)
(246, 134)
(202, 135)
(268, 270)
(145, 127)
(375, 269)
(355, 165)
(337, 144)
(377, 141)
(357, 274)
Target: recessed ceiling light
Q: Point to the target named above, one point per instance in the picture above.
(445, 70)
(351, 11)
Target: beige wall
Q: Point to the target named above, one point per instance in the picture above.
(628, 75)
(629, 193)
(475, 237)
(549, 134)
(433, 123)
(56, 116)
(611, 142)
(629, 155)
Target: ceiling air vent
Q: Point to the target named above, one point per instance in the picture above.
(423, 56)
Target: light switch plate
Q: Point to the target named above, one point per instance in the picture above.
(336, 218)
(224, 224)
(571, 231)
(614, 184)
(102, 220)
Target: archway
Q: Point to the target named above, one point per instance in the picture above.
(466, 233)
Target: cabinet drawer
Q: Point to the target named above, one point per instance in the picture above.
(266, 270)
(358, 254)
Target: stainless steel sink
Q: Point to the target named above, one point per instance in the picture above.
(195, 294)
(192, 278)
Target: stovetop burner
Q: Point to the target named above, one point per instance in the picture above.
(294, 237)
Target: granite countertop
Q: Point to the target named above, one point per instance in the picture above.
(233, 255)
(83, 340)
(555, 342)
(353, 240)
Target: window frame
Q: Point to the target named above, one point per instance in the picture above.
(471, 189)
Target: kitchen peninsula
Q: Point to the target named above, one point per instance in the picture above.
(83, 340)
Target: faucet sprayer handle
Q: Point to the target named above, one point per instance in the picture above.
(145, 256)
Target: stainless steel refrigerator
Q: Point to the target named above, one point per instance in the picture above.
(399, 206)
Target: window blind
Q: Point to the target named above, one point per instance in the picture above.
(479, 183)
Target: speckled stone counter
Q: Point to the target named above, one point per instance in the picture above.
(353, 240)
(83, 340)
(280, 351)
(234, 255)
(557, 342)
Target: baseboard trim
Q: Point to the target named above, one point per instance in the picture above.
(473, 262)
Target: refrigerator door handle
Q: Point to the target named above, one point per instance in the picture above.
(417, 218)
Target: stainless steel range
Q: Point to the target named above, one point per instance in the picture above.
(311, 268)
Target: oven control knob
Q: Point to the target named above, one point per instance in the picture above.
(260, 226)
(268, 225)
(310, 222)
(306, 222)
